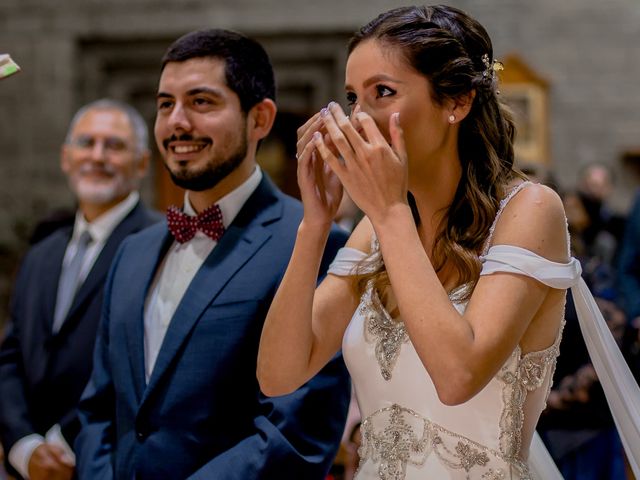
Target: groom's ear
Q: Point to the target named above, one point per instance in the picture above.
(260, 119)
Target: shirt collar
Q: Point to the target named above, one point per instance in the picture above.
(232, 202)
(101, 227)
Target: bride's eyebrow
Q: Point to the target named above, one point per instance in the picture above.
(381, 77)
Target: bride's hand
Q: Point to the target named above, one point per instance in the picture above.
(373, 172)
(320, 188)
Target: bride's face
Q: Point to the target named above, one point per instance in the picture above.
(380, 82)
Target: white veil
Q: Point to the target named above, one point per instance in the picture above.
(620, 388)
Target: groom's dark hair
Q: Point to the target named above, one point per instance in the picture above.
(248, 70)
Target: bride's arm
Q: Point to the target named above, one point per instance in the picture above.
(463, 352)
(304, 327)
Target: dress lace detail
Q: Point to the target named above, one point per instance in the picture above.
(529, 374)
(396, 437)
(387, 333)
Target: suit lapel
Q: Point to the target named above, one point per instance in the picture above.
(47, 287)
(241, 241)
(96, 277)
(142, 272)
(51, 269)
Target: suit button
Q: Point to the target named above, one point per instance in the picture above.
(141, 435)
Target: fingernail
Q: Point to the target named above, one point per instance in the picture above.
(331, 104)
(317, 136)
(323, 112)
(396, 118)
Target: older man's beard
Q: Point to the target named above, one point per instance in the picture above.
(212, 173)
(100, 192)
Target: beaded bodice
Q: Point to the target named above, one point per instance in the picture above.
(404, 423)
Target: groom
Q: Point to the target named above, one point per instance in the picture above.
(174, 393)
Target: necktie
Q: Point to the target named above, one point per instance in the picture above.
(69, 281)
(183, 227)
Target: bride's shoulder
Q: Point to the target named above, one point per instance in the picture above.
(534, 219)
(537, 195)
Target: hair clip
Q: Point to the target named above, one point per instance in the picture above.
(491, 67)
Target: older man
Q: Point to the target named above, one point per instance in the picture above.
(46, 356)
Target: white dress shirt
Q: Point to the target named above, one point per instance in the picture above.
(178, 268)
(100, 230)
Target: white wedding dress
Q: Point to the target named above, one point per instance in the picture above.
(407, 433)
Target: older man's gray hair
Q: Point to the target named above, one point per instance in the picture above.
(140, 130)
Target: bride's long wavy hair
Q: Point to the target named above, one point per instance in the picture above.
(454, 52)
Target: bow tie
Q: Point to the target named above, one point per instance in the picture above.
(183, 227)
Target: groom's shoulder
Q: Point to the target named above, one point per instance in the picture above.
(143, 241)
(155, 231)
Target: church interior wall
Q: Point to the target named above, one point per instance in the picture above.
(74, 51)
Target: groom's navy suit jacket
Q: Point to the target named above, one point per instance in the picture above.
(201, 415)
(43, 374)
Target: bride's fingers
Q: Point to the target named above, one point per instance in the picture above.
(305, 161)
(397, 137)
(370, 130)
(305, 132)
(302, 129)
(332, 182)
(355, 121)
(343, 134)
(327, 155)
(319, 180)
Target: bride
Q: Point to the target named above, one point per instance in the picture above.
(448, 300)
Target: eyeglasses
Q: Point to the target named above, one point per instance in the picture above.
(110, 144)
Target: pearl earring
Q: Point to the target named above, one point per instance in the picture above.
(452, 118)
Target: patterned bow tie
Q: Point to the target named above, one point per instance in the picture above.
(183, 227)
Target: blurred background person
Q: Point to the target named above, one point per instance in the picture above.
(539, 173)
(604, 232)
(629, 256)
(593, 242)
(46, 356)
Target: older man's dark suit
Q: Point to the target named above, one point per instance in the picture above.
(43, 374)
(202, 415)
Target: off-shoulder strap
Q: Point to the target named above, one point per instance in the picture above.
(620, 387)
(346, 261)
(512, 259)
(503, 203)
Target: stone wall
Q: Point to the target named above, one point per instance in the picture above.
(73, 51)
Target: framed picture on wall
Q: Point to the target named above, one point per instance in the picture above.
(526, 93)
